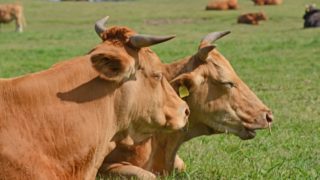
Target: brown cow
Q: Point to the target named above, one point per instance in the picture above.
(267, 2)
(10, 12)
(252, 18)
(219, 102)
(222, 5)
(61, 123)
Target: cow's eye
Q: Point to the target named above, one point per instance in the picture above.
(228, 84)
(157, 76)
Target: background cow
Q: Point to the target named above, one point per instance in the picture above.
(267, 2)
(252, 18)
(311, 16)
(222, 5)
(220, 102)
(62, 122)
(12, 12)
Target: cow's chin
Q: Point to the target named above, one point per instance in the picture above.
(242, 132)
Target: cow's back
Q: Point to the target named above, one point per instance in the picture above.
(312, 19)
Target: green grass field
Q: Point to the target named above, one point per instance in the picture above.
(278, 59)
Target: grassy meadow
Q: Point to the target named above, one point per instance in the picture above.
(278, 59)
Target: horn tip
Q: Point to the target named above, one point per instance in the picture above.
(104, 19)
(171, 36)
(140, 40)
(99, 25)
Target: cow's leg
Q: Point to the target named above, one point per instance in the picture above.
(126, 171)
(179, 165)
(19, 21)
(19, 25)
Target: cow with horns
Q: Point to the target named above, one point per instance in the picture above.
(219, 101)
(61, 123)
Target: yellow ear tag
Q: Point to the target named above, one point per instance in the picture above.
(183, 91)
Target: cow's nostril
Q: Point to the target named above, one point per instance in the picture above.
(187, 112)
(269, 117)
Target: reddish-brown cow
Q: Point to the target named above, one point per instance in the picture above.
(12, 12)
(219, 102)
(252, 18)
(61, 123)
(267, 2)
(222, 5)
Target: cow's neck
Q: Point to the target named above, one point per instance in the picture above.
(97, 97)
(165, 146)
(172, 71)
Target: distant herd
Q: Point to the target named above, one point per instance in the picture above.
(14, 12)
(311, 17)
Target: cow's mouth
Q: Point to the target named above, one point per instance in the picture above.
(242, 131)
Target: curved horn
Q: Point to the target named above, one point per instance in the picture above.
(140, 41)
(99, 25)
(212, 37)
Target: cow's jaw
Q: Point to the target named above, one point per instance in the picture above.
(224, 122)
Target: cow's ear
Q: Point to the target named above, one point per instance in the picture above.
(203, 52)
(112, 68)
(183, 84)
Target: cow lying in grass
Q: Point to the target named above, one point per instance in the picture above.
(252, 18)
(222, 5)
(311, 17)
(219, 102)
(12, 12)
(267, 2)
(61, 123)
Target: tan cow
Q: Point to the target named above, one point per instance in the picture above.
(60, 123)
(219, 101)
(12, 12)
(252, 18)
(222, 5)
(267, 2)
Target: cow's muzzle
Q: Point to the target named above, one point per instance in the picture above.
(263, 121)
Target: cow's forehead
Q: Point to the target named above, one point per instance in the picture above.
(117, 33)
(149, 55)
(221, 61)
(217, 67)
(149, 61)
